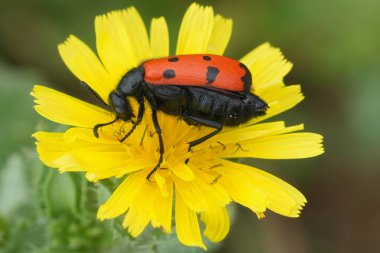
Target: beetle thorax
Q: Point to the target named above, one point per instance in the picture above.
(131, 83)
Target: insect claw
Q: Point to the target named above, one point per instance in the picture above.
(152, 171)
(95, 130)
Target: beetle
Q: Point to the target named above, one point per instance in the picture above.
(202, 89)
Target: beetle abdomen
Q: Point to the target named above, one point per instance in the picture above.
(230, 111)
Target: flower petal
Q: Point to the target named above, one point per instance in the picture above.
(85, 65)
(122, 42)
(240, 189)
(54, 152)
(202, 192)
(220, 35)
(137, 34)
(189, 191)
(279, 100)
(188, 231)
(138, 215)
(180, 169)
(123, 197)
(99, 157)
(282, 198)
(268, 67)
(159, 38)
(135, 222)
(113, 46)
(162, 209)
(217, 223)
(283, 146)
(243, 133)
(195, 30)
(67, 110)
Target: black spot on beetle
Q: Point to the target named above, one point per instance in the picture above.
(211, 74)
(173, 59)
(169, 73)
(206, 58)
(247, 78)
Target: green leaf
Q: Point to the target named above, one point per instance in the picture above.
(18, 119)
(14, 191)
(60, 192)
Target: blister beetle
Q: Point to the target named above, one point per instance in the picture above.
(203, 89)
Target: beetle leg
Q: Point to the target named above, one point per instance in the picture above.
(97, 126)
(139, 119)
(161, 142)
(203, 122)
(152, 101)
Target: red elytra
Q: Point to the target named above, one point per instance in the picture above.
(197, 70)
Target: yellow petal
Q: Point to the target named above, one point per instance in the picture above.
(190, 193)
(123, 197)
(243, 133)
(137, 34)
(195, 30)
(85, 65)
(122, 42)
(113, 46)
(67, 110)
(215, 194)
(187, 225)
(138, 215)
(54, 152)
(217, 223)
(159, 38)
(107, 158)
(240, 189)
(180, 169)
(282, 197)
(220, 35)
(102, 155)
(284, 146)
(279, 100)
(162, 209)
(268, 67)
(106, 135)
(201, 193)
(135, 222)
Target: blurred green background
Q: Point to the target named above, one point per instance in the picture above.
(335, 48)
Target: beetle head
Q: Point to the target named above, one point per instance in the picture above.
(120, 106)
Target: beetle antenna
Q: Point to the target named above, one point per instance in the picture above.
(94, 93)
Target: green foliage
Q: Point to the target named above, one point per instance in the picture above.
(18, 120)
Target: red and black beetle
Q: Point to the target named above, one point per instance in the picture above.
(203, 89)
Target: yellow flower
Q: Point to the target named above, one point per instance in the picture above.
(202, 188)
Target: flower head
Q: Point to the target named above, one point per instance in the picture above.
(202, 188)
